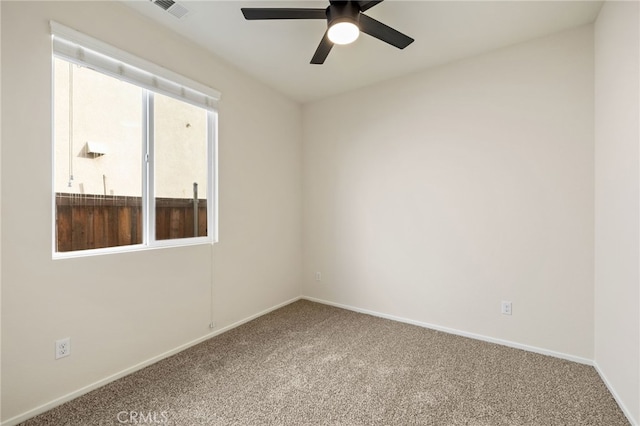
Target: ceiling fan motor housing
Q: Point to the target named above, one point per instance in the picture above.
(343, 11)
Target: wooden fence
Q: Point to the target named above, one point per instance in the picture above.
(96, 221)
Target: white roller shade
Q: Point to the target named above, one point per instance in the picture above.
(87, 51)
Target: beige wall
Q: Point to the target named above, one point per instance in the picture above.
(111, 116)
(617, 201)
(124, 309)
(109, 112)
(436, 196)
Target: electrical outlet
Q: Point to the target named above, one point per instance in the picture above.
(318, 276)
(63, 347)
(212, 325)
(506, 308)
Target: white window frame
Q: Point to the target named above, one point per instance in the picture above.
(78, 48)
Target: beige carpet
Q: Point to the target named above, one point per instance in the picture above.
(311, 364)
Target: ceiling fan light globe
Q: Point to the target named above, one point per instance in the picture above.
(343, 32)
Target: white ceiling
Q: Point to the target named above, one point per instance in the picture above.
(278, 52)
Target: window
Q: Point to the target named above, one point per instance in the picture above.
(134, 151)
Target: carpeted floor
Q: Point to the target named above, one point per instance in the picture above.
(311, 364)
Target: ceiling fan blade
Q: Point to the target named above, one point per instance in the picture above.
(255, 13)
(382, 32)
(323, 50)
(366, 5)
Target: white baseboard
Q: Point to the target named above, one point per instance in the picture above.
(625, 410)
(508, 343)
(75, 394)
(251, 318)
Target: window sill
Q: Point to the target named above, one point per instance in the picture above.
(133, 248)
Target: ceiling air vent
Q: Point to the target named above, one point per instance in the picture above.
(177, 10)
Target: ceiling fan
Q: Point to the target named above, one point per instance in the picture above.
(345, 20)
